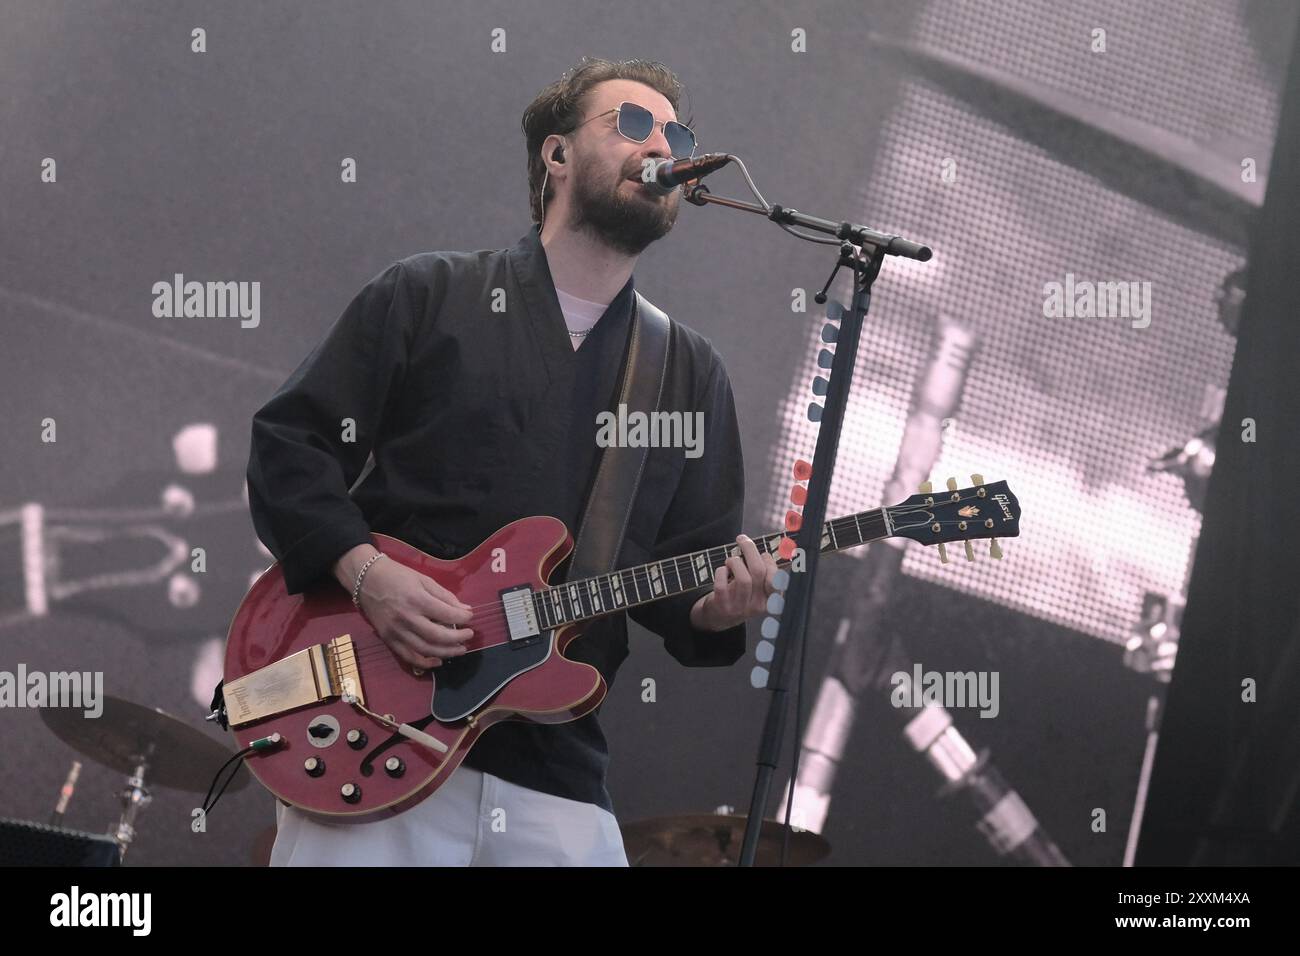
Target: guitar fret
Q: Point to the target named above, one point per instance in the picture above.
(592, 597)
(700, 567)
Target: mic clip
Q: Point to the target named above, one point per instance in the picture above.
(692, 193)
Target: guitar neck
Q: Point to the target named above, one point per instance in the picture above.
(603, 594)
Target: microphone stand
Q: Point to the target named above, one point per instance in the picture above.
(863, 251)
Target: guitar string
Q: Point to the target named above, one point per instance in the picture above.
(372, 649)
(641, 573)
(379, 655)
(495, 619)
(834, 523)
(496, 615)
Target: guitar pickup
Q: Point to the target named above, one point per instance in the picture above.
(311, 675)
(521, 612)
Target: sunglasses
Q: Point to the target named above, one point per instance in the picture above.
(637, 123)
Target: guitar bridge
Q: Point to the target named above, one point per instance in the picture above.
(309, 676)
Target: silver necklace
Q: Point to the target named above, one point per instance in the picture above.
(583, 332)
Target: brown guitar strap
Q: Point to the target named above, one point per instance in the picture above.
(613, 494)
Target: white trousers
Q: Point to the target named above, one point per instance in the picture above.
(474, 819)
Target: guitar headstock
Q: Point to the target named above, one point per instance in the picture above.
(965, 514)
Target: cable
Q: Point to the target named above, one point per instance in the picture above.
(262, 743)
(767, 207)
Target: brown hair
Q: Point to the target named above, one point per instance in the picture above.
(558, 107)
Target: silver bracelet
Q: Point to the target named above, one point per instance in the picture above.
(356, 591)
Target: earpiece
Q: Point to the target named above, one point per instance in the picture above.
(558, 154)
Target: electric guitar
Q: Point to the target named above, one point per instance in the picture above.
(339, 727)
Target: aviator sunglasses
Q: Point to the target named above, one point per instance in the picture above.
(637, 123)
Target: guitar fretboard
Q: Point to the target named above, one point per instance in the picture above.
(608, 593)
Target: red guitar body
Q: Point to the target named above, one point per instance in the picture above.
(339, 763)
(543, 685)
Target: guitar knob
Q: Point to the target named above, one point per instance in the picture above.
(357, 738)
(394, 767)
(314, 766)
(994, 549)
(970, 552)
(350, 793)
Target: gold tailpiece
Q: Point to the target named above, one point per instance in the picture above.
(310, 676)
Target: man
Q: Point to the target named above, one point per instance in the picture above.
(457, 372)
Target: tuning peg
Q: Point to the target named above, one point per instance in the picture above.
(977, 480)
(994, 549)
(952, 484)
(970, 552)
(926, 487)
(943, 554)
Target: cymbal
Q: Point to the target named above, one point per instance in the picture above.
(127, 734)
(711, 839)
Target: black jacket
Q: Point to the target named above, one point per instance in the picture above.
(455, 370)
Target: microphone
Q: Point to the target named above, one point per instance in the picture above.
(668, 174)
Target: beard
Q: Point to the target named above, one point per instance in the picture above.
(626, 218)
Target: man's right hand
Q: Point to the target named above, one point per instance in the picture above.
(412, 613)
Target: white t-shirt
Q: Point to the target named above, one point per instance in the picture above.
(579, 314)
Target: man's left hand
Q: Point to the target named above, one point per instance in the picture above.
(741, 588)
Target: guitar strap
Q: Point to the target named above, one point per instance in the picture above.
(613, 494)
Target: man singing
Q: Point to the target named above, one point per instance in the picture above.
(475, 380)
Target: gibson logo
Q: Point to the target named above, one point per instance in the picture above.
(1006, 509)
